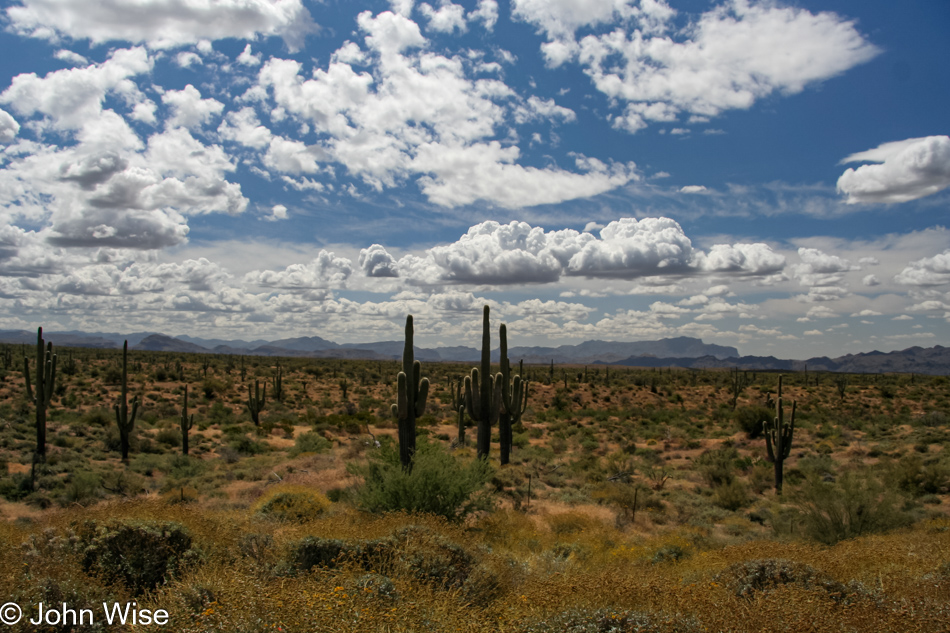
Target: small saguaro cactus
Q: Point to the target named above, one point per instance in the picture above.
(458, 405)
(482, 394)
(256, 401)
(411, 393)
(124, 418)
(778, 433)
(185, 423)
(514, 398)
(41, 396)
(278, 384)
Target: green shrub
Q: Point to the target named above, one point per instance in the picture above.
(292, 503)
(170, 437)
(756, 576)
(718, 466)
(246, 446)
(142, 554)
(310, 442)
(919, 476)
(733, 495)
(82, 487)
(312, 551)
(852, 506)
(438, 483)
(751, 419)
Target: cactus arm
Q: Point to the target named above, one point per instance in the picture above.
(471, 388)
(422, 396)
(402, 396)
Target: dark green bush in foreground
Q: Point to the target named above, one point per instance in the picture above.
(438, 483)
(142, 554)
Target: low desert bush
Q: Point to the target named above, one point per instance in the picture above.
(749, 578)
(141, 554)
(297, 504)
(852, 506)
(751, 419)
(438, 483)
(310, 442)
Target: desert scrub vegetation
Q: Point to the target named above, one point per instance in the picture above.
(632, 498)
(227, 569)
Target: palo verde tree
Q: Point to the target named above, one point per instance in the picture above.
(514, 398)
(483, 393)
(411, 393)
(778, 433)
(43, 392)
(124, 418)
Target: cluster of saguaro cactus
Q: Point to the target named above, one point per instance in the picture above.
(514, 398)
(778, 433)
(411, 393)
(256, 401)
(185, 422)
(43, 393)
(124, 418)
(482, 394)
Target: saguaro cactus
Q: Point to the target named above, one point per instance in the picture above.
(124, 418)
(779, 433)
(256, 401)
(185, 423)
(279, 384)
(514, 398)
(483, 393)
(458, 405)
(411, 393)
(41, 396)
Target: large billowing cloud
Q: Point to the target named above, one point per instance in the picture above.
(324, 271)
(162, 23)
(628, 249)
(929, 271)
(902, 171)
(105, 186)
(420, 116)
(734, 55)
(72, 98)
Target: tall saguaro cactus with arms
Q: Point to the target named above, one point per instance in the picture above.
(256, 401)
(483, 393)
(43, 393)
(411, 393)
(124, 418)
(778, 433)
(514, 398)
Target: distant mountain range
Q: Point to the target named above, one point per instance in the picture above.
(682, 351)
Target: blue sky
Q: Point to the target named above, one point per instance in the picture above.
(772, 176)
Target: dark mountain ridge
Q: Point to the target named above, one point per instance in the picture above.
(685, 352)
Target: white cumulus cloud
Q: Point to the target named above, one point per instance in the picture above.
(162, 23)
(902, 171)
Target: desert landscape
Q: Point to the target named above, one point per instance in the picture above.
(634, 499)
